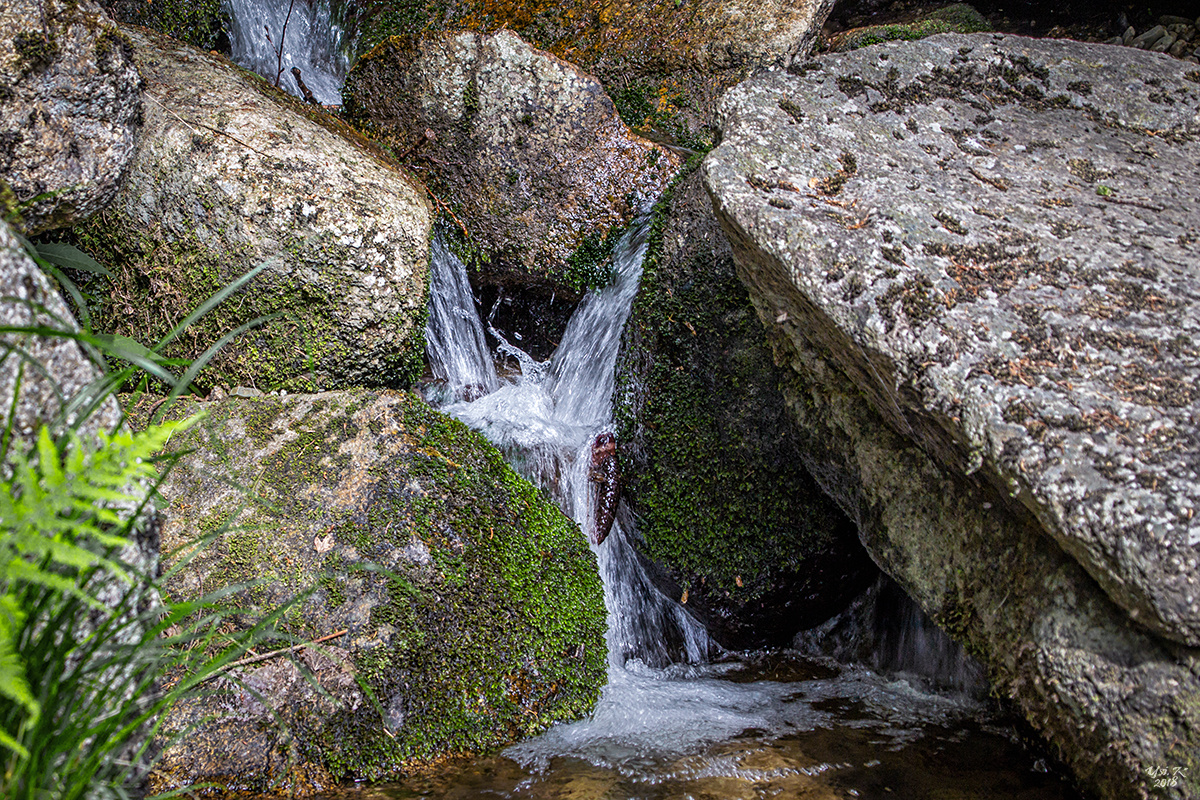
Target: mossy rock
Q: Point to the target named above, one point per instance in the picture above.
(230, 174)
(711, 457)
(956, 18)
(472, 606)
(675, 56)
(200, 23)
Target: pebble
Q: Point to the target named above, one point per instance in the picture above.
(1145, 40)
(1162, 45)
(1175, 36)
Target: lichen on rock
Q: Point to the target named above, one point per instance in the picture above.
(230, 173)
(472, 606)
(69, 111)
(986, 243)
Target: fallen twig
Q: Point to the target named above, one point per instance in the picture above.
(254, 659)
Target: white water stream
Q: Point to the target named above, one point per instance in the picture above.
(670, 716)
(271, 37)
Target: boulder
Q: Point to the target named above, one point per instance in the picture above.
(230, 173)
(69, 111)
(527, 148)
(201, 23)
(700, 416)
(954, 18)
(470, 607)
(665, 62)
(977, 254)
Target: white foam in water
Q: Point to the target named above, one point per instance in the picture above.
(662, 701)
(311, 42)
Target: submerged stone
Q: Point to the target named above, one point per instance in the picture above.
(725, 505)
(472, 609)
(981, 277)
(230, 173)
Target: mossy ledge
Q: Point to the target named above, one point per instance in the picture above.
(700, 416)
(473, 608)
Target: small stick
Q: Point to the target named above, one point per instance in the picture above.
(253, 659)
(282, 39)
(304, 90)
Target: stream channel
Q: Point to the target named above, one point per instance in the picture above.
(680, 717)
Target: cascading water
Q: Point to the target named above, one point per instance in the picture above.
(545, 422)
(671, 723)
(271, 37)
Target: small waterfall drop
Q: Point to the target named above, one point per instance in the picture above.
(545, 421)
(271, 37)
(454, 339)
(678, 717)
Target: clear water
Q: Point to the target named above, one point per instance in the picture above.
(679, 718)
(272, 36)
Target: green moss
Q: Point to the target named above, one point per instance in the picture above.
(590, 266)
(155, 283)
(492, 635)
(200, 23)
(957, 18)
(704, 427)
(35, 50)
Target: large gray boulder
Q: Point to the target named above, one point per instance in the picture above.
(69, 110)
(665, 62)
(470, 608)
(978, 255)
(529, 150)
(230, 173)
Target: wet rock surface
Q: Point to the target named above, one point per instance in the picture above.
(1001, 246)
(711, 458)
(978, 255)
(230, 173)
(471, 606)
(528, 147)
(69, 111)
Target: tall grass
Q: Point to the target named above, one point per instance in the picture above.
(91, 655)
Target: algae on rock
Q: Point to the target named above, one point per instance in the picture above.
(714, 471)
(472, 605)
(229, 173)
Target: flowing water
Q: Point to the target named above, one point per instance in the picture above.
(680, 718)
(271, 37)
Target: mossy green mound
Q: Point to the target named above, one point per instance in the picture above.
(472, 606)
(710, 456)
(956, 18)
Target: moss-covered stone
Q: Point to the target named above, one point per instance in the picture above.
(230, 173)
(200, 23)
(955, 18)
(712, 460)
(472, 605)
(680, 53)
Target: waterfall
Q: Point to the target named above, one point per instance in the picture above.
(271, 37)
(545, 421)
(454, 339)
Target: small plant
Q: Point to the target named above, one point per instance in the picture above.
(85, 639)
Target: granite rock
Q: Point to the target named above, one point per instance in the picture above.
(978, 255)
(70, 104)
(231, 173)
